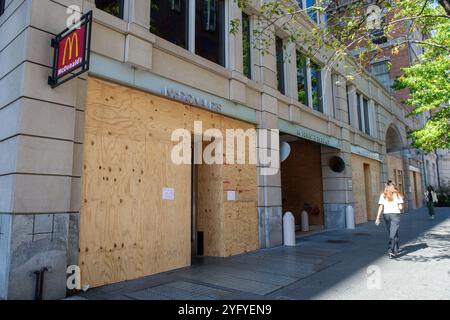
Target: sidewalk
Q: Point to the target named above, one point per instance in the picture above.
(338, 264)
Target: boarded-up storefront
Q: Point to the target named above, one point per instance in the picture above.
(128, 229)
(366, 187)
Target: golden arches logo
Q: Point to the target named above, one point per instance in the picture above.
(71, 40)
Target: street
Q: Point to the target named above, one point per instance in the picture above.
(335, 264)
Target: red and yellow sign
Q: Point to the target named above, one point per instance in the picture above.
(71, 51)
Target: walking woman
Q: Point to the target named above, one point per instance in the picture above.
(391, 205)
(431, 198)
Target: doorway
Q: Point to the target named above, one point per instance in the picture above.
(301, 182)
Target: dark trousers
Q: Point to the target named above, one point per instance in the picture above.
(430, 205)
(392, 223)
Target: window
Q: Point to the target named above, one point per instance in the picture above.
(380, 70)
(377, 35)
(302, 83)
(312, 13)
(316, 87)
(114, 7)
(349, 97)
(358, 106)
(300, 3)
(246, 46)
(366, 116)
(210, 30)
(169, 20)
(2, 6)
(280, 64)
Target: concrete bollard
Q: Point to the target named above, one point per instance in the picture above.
(289, 229)
(350, 217)
(305, 221)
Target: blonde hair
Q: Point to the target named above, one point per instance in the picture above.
(388, 194)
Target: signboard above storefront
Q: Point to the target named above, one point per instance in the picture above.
(365, 153)
(192, 99)
(308, 134)
(71, 51)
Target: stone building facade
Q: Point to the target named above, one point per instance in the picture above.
(67, 197)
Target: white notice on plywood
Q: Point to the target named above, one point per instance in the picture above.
(168, 194)
(231, 195)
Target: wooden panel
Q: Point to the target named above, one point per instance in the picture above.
(210, 209)
(416, 185)
(230, 227)
(126, 229)
(301, 180)
(241, 217)
(366, 188)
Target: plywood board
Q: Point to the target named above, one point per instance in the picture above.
(127, 230)
(366, 188)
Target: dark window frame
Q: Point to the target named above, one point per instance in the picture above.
(121, 9)
(246, 45)
(2, 6)
(305, 77)
(348, 106)
(312, 13)
(281, 77)
(207, 28)
(184, 43)
(366, 116)
(319, 79)
(358, 106)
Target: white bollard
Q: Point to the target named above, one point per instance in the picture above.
(350, 217)
(289, 229)
(305, 221)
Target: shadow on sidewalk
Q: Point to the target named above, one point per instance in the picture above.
(406, 250)
(421, 240)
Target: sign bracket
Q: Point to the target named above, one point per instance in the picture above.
(62, 72)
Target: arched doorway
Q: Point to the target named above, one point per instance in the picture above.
(394, 146)
(394, 141)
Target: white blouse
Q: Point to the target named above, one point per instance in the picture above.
(390, 206)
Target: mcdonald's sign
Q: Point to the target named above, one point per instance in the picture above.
(71, 52)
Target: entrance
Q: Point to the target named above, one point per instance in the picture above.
(207, 219)
(301, 182)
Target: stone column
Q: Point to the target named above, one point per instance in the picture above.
(269, 186)
(40, 134)
(337, 187)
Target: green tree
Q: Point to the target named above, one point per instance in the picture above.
(353, 30)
